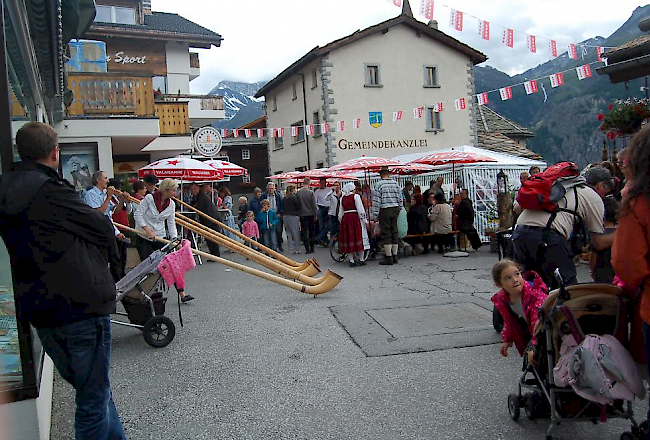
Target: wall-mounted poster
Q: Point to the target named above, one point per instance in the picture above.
(78, 163)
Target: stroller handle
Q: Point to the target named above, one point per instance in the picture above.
(172, 243)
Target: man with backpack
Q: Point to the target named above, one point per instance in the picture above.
(559, 209)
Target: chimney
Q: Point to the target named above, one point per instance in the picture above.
(146, 7)
(433, 24)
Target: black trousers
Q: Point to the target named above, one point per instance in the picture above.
(308, 232)
(388, 225)
(120, 269)
(472, 236)
(146, 247)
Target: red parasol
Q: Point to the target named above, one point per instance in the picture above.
(411, 169)
(326, 173)
(181, 168)
(286, 176)
(365, 163)
(452, 157)
(227, 168)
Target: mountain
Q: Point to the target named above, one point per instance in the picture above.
(564, 122)
(239, 103)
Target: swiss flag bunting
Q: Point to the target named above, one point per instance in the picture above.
(294, 130)
(530, 86)
(460, 104)
(456, 20)
(508, 37)
(484, 29)
(247, 133)
(437, 107)
(356, 123)
(417, 112)
(426, 9)
(532, 43)
(397, 115)
(506, 93)
(572, 51)
(557, 80)
(483, 98)
(310, 129)
(340, 126)
(584, 72)
(235, 133)
(260, 132)
(552, 48)
(325, 127)
(599, 51)
(274, 132)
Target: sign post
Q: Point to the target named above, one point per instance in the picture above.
(207, 141)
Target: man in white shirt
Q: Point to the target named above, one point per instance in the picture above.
(323, 208)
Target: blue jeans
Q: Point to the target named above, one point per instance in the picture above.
(270, 238)
(81, 352)
(323, 218)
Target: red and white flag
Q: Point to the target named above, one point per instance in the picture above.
(294, 130)
(572, 51)
(397, 116)
(417, 112)
(325, 127)
(247, 133)
(530, 86)
(235, 133)
(310, 129)
(552, 48)
(557, 80)
(482, 98)
(281, 132)
(531, 42)
(584, 72)
(484, 29)
(437, 107)
(340, 126)
(260, 132)
(222, 132)
(426, 9)
(397, 3)
(274, 132)
(508, 37)
(506, 93)
(460, 104)
(600, 50)
(356, 123)
(456, 20)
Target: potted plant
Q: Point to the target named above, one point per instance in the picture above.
(624, 117)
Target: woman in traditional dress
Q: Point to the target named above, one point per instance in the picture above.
(353, 235)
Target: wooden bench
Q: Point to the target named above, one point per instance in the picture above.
(431, 234)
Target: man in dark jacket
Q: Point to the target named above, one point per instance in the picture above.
(59, 249)
(203, 203)
(276, 200)
(465, 219)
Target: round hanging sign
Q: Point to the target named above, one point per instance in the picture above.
(207, 141)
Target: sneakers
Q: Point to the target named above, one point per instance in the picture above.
(296, 251)
(187, 298)
(353, 264)
(387, 261)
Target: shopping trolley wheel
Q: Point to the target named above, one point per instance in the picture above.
(159, 331)
(514, 407)
(628, 436)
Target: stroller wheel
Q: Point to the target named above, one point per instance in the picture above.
(159, 331)
(514, 407)
(531, 405)
(628, 436)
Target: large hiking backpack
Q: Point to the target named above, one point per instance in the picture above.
(542, 191)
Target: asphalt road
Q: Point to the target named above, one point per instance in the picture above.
(256, 360)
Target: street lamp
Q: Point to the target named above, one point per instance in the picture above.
(504, 203)
(502, 182)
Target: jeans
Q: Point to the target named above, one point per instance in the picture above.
(334, 225)
(270, 238)
(81, 352)
(323, 217)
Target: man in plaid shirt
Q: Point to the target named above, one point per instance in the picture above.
(387, 200)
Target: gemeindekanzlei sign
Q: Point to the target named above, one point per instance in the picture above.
(344, 144)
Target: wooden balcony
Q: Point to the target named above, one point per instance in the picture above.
(173, 117)
(101, 94)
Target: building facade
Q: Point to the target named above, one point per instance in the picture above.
(397, 65)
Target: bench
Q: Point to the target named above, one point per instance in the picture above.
(431, 234)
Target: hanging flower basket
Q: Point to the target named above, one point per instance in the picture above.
(624, 117)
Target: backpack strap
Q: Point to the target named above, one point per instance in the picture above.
(575, 212)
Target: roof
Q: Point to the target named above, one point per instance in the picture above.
(501, 143)
(405, 18)
(640, 44)
(489, 121)
(161, 25)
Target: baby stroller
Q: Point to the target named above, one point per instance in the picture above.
(142, 293)
(595, 309)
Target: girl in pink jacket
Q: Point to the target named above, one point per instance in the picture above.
(250, 229)
(518, 302)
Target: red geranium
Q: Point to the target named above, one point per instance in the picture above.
(611, 106)
(600, 116)
(611, 135)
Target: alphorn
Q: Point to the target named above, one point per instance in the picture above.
(305, 269)
(326, 285)
(270, 251)
(257, 257)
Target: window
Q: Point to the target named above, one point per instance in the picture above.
(433, 120)
(301, 132)
(160, 83)
(274, 103)
(320, 164)
(316, 122)
(115, 14)
(246, 179)
(314, 79)
(279, 143)
(245, 154)
(372, 76)
(431, 76)
(294, 91)
(301, 168)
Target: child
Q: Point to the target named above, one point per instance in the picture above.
(243, 210)
(518, 302)
(249, 228)
(267, 220)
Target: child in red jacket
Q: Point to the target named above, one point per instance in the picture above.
(518, 302)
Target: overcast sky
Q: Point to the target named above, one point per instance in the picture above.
(263, 37)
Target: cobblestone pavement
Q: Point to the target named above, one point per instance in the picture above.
(256, 360)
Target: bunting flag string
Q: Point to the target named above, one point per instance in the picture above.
(426, 9)
(508, 38)
(531, 43)
(484, 29)
(456, 20)
(572, 51)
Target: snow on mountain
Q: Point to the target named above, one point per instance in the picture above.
(240, 103)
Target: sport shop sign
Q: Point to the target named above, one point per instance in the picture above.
(344, 144)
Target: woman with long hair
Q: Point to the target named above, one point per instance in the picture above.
(291, 208)
(631, 248)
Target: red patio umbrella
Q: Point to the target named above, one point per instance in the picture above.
(227, 168)
(365, 163)
(326, 173)
(181, 168)
(411, 169)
